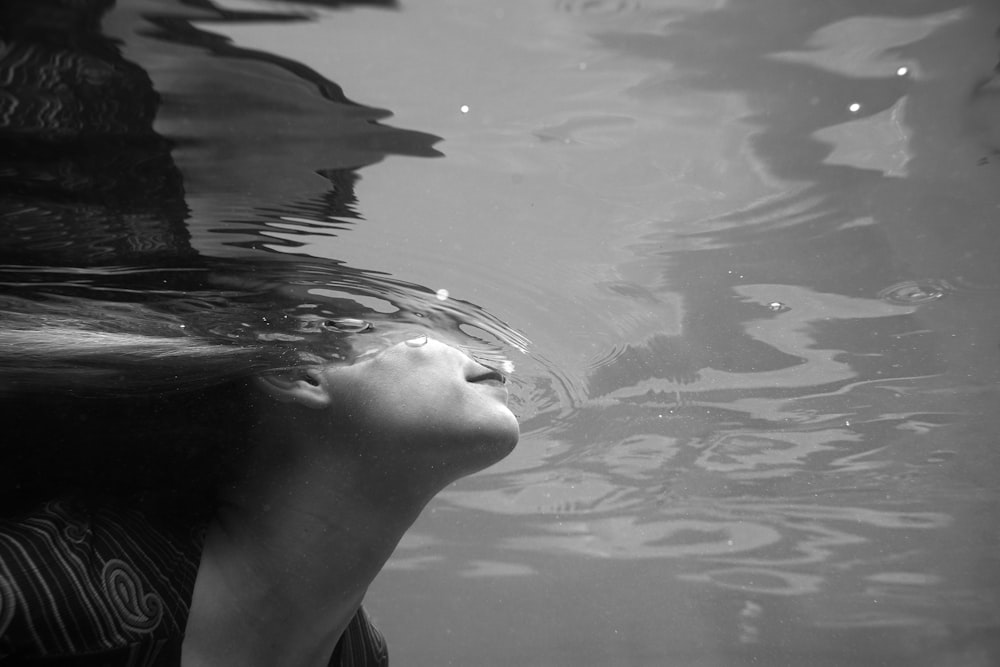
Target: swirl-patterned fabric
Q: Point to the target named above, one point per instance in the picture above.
(102, 585)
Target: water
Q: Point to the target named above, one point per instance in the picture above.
(742, 257)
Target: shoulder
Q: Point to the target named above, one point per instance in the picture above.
(77, 578)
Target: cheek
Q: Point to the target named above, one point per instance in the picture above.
(416, 404)
(430, 403)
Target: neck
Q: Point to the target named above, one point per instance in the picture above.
(291, 552)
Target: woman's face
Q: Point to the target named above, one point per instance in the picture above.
(431, 404)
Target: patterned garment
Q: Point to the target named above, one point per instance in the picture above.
(84, 586)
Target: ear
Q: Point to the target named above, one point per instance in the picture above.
(303, 387)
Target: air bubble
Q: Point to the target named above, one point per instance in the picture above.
(419, 341)
(347, 325)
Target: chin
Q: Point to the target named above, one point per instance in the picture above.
(489, 445)
(501, 442)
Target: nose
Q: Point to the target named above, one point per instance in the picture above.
(470, 365)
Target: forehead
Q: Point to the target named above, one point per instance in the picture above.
(368, 347)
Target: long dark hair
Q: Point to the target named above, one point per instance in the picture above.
(129, 399)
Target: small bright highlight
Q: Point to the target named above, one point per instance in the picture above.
(442, 295)
(854, 107)
(464, 108)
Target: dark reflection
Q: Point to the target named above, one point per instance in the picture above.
(280, 131)
(87, 182)
(84, 179)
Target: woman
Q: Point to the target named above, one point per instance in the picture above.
(315, 471)
(190, 473)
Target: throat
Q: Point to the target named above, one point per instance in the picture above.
(286, 564)
(293, 547)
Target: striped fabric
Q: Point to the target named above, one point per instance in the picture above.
(83, 585)
(361, 645)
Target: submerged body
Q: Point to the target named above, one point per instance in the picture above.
(338, 462)
(82, 583)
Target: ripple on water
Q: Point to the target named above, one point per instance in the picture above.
(915, 292)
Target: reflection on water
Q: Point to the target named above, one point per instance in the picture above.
(810, 432)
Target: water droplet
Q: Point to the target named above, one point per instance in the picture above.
(854, 107)
(442, 294)
(914, 292)
(347, 325)
(419, 341)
